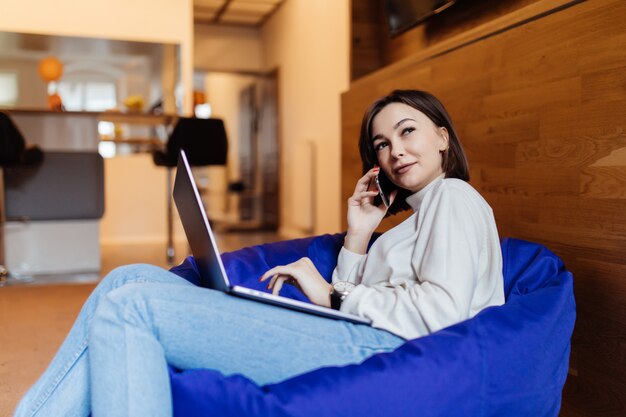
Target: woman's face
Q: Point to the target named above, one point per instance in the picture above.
(408, 146)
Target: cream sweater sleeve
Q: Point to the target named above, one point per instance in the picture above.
(447, 261)
(349, 266)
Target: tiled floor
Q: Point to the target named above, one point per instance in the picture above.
(34, 319)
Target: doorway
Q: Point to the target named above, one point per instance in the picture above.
(248, 105)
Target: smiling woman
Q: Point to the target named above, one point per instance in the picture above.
(409, 146)
(442, 264)
(415, 116)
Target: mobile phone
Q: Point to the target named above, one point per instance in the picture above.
(381, 193)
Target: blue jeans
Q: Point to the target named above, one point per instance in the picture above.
(140, 318)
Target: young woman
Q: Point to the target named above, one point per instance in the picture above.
(440, 266)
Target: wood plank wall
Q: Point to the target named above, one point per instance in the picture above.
(372, 48)
(367, 32)
(541, 110)
(459, 18)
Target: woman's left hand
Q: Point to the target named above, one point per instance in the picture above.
(304, 276)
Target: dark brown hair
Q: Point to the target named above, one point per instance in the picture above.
(454, 163)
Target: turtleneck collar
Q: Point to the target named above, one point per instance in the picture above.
(415, 200)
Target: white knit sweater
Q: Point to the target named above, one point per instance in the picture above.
(439, 267)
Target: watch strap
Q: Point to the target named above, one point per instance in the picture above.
(335, 299)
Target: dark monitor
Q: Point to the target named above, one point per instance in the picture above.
(65, 186)
(402, 15)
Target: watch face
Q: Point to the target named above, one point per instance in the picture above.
(343, 286)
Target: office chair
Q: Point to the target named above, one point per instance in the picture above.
(13, 151)
(205, 143)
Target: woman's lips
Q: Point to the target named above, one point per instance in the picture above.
(404, 168)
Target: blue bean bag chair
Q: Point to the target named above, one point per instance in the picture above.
(510, 360)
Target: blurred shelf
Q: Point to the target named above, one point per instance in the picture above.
(139, 118)
(135, 141)
(106, 116)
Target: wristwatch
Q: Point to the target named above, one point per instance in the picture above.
(339, 292)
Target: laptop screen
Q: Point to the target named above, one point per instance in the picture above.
(197, 228)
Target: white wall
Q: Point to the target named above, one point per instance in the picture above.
(308, 41)
(227, 49)
(135, 202)
(163, 21)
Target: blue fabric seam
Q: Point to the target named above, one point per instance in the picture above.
(483, 377)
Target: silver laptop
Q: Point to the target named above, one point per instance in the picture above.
(207, 256)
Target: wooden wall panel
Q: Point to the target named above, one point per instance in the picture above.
(541, 110)
(366, 37)
(373, 48)
(459, 18)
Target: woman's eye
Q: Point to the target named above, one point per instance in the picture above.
(379, 146)
(407, 130)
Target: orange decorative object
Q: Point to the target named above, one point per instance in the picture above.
(198, 98)
(50, 69)
(55, 103)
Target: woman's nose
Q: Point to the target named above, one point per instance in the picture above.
(397, 150)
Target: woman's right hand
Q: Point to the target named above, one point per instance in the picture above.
(363, 216)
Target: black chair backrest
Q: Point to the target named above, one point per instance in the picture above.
(204, 141)
(12, 143)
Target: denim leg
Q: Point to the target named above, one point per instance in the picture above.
(138, 330)
(63, 389)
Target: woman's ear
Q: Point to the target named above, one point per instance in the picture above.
(445, 139)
